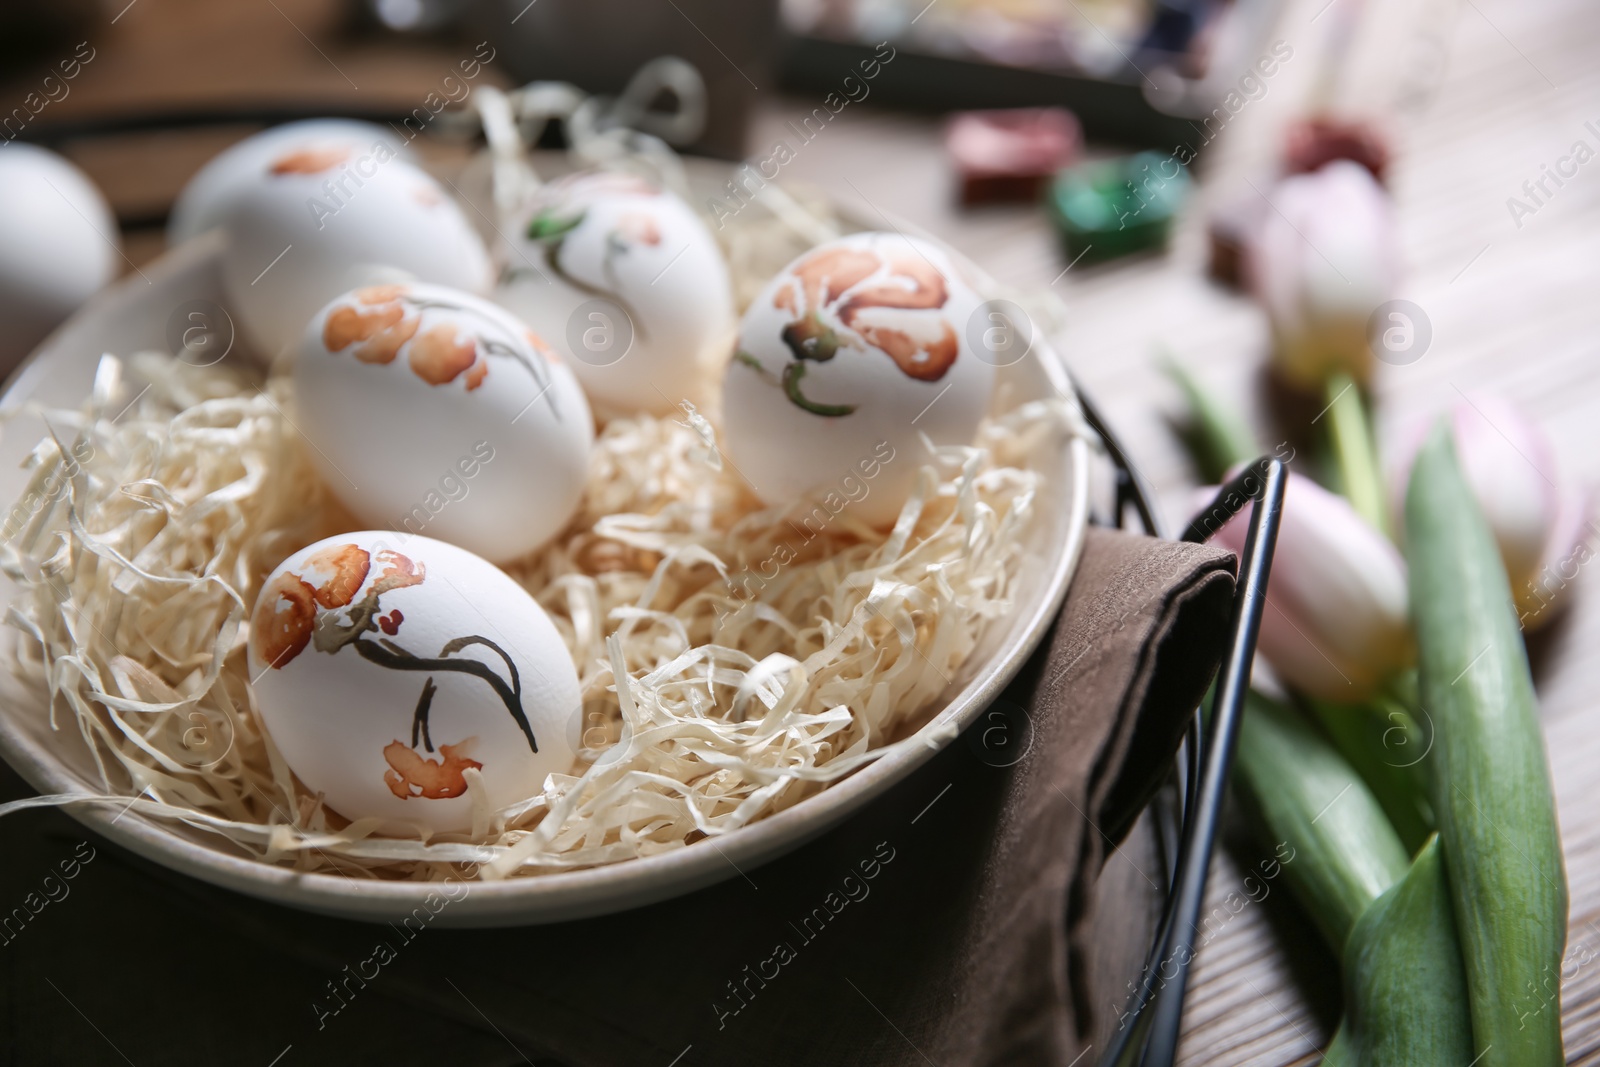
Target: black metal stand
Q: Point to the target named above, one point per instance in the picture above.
(1150, 1036)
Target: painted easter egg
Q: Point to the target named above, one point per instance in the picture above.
(321, 221)
(388, 670)
(847, 359)
(429, 410)
(625, 277)
(205, 199)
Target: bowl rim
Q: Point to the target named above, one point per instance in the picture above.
(558, 895)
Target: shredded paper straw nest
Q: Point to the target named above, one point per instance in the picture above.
(732, 662)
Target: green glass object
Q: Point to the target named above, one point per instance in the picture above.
(1112, 207)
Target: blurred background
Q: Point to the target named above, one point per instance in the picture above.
(1133, 72)
(1118, 155)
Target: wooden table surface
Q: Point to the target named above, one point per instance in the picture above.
(1479, 94)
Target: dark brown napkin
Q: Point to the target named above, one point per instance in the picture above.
(952, 922)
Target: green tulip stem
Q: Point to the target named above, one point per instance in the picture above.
(1384, 745)
(1350, 433)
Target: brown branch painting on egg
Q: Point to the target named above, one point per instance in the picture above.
(832, 294)
(386, 318)
(327, 617)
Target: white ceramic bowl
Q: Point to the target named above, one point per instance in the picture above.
(137, 313)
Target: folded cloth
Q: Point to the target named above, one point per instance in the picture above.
(945, 924)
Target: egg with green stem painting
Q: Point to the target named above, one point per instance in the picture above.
(627, 281)
(848, 359)
(394, 672)
(432, 411)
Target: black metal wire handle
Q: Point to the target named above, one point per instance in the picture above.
(1150, 1038)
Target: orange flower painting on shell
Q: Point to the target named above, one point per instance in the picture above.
(410, 775)
(317, 606)
(310, 159)
(836, 296)
(384, 319)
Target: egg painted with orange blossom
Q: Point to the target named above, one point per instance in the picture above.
(396, 676)
(852, 360)
(433, 412)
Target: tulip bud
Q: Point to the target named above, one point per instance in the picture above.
(1542, 528)
(1336, 621)
(1320, 264)
(1573, 540)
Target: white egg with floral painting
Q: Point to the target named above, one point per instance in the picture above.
(432, 411)
(627, 280)
(205, 199)
(849, 358)
(392, 672)
(320, 221)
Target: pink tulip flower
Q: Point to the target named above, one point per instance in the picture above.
(1336, 622)
(1542, 526)
(1321, 263)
